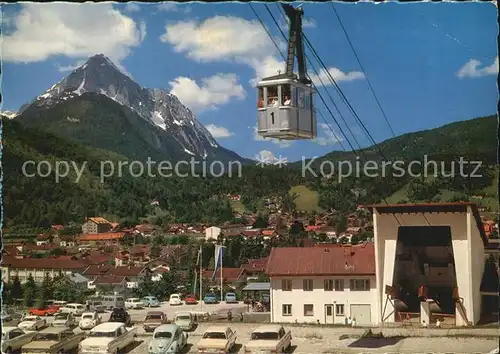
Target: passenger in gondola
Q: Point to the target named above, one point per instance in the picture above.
(274, 102)
(260, 104)
(288, 101)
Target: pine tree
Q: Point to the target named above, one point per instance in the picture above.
(30, 291)
(16, 291)
(47, 290)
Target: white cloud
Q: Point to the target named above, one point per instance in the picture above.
(280, 143)
(70, 67)
(336, 74)
(213, 91)
(471, 69)
(73, 30)
(173, 7)
(306, 23)
(228, 38)
(329, 138)
(132, 7)
(218, 132)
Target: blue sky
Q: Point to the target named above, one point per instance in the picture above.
(430, 64)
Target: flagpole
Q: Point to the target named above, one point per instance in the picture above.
(201, 276)
(221, 253)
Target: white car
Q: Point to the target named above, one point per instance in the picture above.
(109, 337)
(175, 300)
(75, 309)
(217, 339)
(32, 323)
(64, 319)
(14, 338)
(133, 303)
(168, 338)
(6, 317)
(89, 320)
(269, 338)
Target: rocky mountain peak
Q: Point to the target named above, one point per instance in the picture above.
(157, 106)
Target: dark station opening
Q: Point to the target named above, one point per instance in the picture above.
(424, 269)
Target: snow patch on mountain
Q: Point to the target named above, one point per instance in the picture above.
(156, 106)
(9, 114)
(80, 88)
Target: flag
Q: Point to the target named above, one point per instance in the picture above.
(219, 254)
(198, 260)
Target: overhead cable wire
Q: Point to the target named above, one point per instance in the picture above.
(363, 70)
(283, 56)
(317, 75)
(310, 46)
(368, 80)
(319, 94)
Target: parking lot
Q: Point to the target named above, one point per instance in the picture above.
(322, 339)
(216, 311)
(311, 339)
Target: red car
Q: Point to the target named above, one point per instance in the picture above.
(190, 300)
(47, 311)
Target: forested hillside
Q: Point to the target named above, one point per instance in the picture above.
(41, 201)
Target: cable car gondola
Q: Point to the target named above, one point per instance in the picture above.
(285, 101)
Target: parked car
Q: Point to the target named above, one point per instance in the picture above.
(43, 311)
(265, 299)
(14, 338)
(32, 323)
(64, 319)
(108, 337)
(190, 300)
(95, 305)
(54, 340)
(231, 298)
(112, 301)
(150, 301)
(6, 317)
(217, 339)
(168, 338)
(184, 320)
(75, 309)
(153, 320)
(210, 298)
(54, 304)
(201, 316)
(120, 315)
(175, 300)
(133, 303)
(269, 339)
(89, 320)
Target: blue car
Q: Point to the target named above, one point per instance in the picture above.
(150, 301)
(210, 299)
(231, 298)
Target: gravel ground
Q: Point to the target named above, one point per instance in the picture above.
(307, 340)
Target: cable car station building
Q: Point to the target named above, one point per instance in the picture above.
(429, 261)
